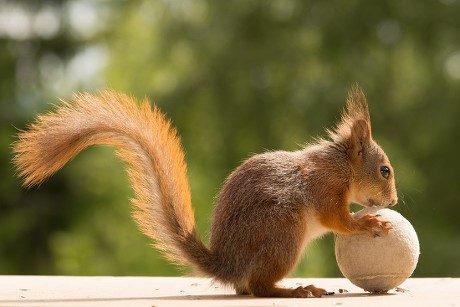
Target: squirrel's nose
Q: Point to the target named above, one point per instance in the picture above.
(394, 202)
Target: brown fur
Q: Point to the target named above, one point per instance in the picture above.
(269, 208)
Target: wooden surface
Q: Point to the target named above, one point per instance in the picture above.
(172, 291)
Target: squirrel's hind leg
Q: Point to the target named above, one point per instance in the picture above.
(265, 286)
(264, 290)
(242, 290)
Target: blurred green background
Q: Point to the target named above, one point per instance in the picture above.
(236, 77)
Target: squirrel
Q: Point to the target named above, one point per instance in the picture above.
(268, 208)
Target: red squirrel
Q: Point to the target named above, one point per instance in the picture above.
(268, 209)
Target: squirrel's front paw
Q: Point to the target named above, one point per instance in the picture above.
(374, 226)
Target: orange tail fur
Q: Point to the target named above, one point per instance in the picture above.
(150, 146)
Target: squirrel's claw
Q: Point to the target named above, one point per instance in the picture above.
(317, 292)
(374, 226)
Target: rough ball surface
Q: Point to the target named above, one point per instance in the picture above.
(382, 263)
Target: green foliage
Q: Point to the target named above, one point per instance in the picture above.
(236, 78)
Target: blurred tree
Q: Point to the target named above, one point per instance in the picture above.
(28, 219)
(237, 78)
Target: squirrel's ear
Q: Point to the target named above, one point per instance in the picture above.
(360, 136)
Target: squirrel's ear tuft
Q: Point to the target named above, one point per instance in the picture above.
(357, 105)
(355, 118)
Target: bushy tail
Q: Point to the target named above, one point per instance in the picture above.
(150, 146)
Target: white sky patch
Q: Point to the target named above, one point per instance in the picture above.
(47, 22)
(83, 18)
(85, 67)
(15, 22)
(452, 65)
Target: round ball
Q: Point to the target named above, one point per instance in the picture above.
(382, 263)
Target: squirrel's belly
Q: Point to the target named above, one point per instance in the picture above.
(314, 228)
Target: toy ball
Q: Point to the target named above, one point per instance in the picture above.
(382, 263)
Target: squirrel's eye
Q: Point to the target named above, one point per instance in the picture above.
(385, 171)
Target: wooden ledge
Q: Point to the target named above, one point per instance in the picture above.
(189, 291)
